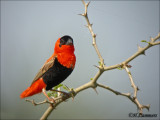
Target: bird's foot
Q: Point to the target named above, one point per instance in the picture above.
(51, 99)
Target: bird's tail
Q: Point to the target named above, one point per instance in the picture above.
(35, 88)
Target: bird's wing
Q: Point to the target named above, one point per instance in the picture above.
(45, 67)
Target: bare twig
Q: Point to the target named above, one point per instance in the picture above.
(89, 26)
(134, 98)
(114, 91)
(39, 103)
(128, 95)
(156, 38)
(156, 43)
(132, 82)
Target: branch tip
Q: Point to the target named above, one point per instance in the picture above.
(83, 2)
(151, 39)
(91, 30)
(139, 48)
(88, 3)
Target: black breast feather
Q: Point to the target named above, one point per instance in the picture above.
(56, 74)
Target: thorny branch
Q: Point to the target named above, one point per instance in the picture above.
(89, 25)
(102, 68)
(140, 51)
(132, 82)
(39, 103)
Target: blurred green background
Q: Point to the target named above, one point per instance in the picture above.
(29, 30)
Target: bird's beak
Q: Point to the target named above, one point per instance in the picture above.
(69, 42)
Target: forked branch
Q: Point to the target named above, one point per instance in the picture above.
(101, 69)
(140, 51)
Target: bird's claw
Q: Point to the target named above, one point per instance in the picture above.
(51, 100)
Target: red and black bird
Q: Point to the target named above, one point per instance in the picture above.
(55, 70)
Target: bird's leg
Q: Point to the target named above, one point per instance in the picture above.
(50, 99)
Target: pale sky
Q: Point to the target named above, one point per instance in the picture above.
(29, 30)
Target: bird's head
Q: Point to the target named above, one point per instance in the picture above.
(65, 40)
(64, 44)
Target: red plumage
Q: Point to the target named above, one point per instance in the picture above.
(35, 88)
(56, 69)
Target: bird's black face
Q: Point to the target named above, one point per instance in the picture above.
(66, 40)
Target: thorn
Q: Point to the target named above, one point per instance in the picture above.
(134, 97)
(96, 66)
(140, 114)
(95, 90)
(82, 14)
(88, 3)
(94, 35)
(152, 39)
(143, 53)
(148, 107)
(86, 26)
(138, 88)
(129, 66)
(139, 48)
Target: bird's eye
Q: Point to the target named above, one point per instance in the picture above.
(62, 42)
